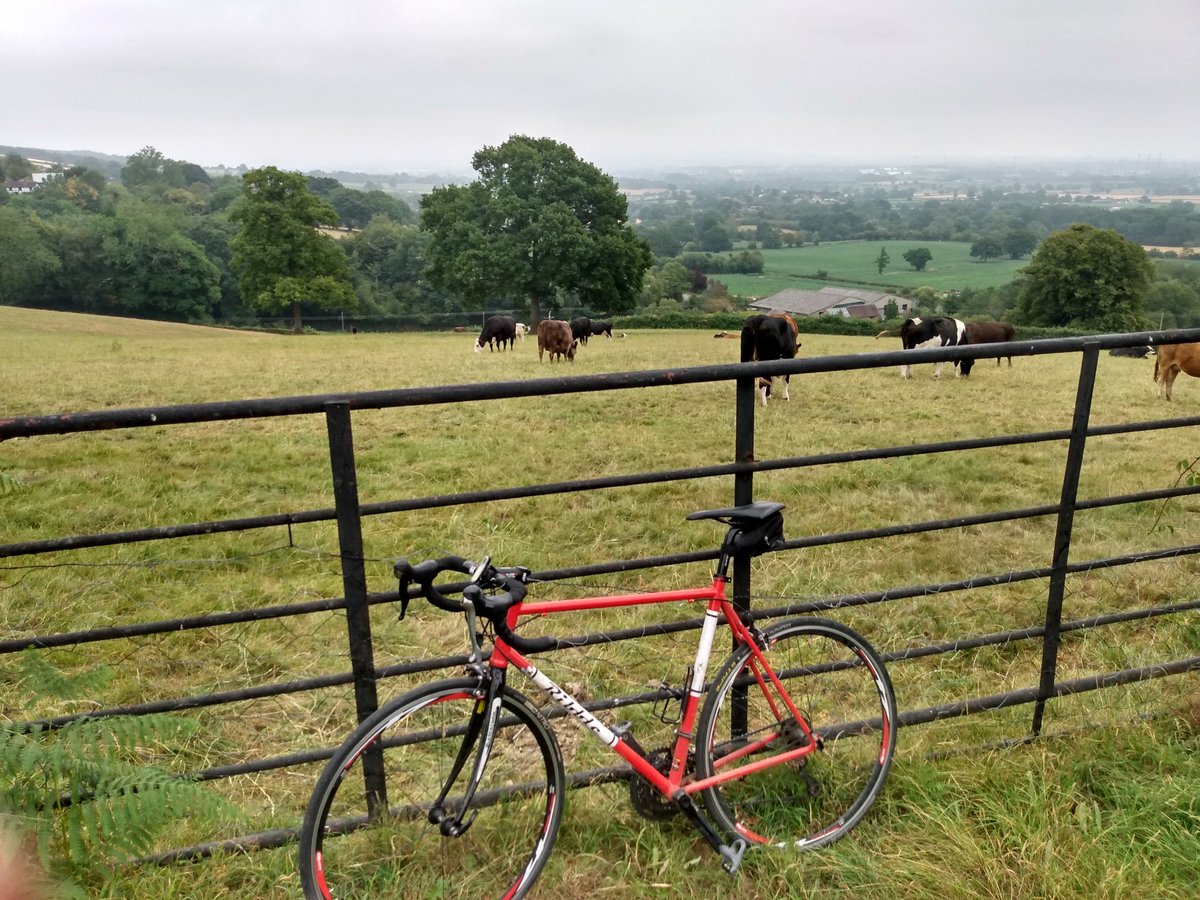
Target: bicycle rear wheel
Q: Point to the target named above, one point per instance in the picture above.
(352, 847)
(839, 684)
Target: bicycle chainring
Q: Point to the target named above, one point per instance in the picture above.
(647, 801)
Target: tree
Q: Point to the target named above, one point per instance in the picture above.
(155, 270)
(918, 258)
(15, 166)
(536, 221)
(1173, 304)
(712, 233)
(144, 168)
(987, 248)
(280, 258)
(1087, 277)
(1018, 242)
(28, 261)
(882, 260)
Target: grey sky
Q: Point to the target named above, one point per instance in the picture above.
(394, 85)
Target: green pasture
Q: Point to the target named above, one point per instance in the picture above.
(1105, 806)
(952, 268)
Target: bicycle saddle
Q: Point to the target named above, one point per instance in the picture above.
(743, 515)
(754, 528)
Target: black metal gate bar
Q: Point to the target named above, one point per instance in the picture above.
(1066, 521)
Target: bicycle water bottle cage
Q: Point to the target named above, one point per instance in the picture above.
(754, 528)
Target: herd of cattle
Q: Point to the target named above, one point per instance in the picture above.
(775, 336)
(555, 336)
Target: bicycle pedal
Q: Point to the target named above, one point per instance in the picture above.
(731, 855)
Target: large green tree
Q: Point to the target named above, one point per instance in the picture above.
(1087, 277)
(536, 222)
(280, 258)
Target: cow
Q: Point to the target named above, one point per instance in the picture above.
(769, 337)
(1171, 359)
(989, 333)
(581, 329)
(1132, 352)
(601, 328)
(522, 330)
(935, 331)
(554, 337)
(500, 330)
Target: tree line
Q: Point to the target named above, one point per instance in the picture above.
(537, 228)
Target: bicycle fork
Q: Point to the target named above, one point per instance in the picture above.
(481, 730)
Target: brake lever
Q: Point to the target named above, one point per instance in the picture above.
(404, 582)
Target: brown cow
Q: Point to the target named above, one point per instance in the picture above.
(989, 333)
(555, 338)
(1172, 359)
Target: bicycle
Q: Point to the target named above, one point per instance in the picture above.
(457, 787)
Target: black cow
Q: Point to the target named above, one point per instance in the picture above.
(766, 338)
(935, 331)
(601, 328)
(581, 329)
(501, 330)
(989, 333)
(1133, 352)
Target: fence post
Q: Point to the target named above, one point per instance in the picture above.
(1062, 537)
(354, 585)
(743, 492)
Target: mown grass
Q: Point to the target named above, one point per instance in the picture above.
(1029, 821)
(855, 261)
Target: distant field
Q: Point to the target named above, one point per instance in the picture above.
(951, 267)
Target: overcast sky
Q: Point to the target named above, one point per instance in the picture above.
(405, 86)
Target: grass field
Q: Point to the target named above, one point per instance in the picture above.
(854, 261)
(1109, 811)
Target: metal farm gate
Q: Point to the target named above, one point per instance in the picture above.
(363, 673)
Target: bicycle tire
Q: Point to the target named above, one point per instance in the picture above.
(347, 853)
(840, 685)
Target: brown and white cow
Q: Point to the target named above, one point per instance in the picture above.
(1170, 360)
(773, 336)
(555, 338)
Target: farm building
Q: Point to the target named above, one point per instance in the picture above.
(833, 301)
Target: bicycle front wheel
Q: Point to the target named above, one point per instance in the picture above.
(368, 831)
(839, 685)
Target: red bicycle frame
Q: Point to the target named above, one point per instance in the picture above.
(503, 654)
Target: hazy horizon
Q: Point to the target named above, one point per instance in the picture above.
(376, 86)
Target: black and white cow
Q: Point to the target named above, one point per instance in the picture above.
(934, 331)
(501, 330)
(601, 328)
(766, 338)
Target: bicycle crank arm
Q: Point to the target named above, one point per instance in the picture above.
(731, 854)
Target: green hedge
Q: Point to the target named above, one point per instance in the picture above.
(733, 321)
